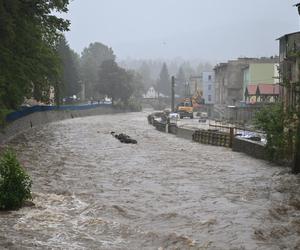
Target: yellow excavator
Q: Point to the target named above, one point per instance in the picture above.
(197, 98)
(185, 108)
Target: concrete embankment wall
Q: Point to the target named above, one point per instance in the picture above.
(40, 118)
(252, 148)
(185, 133)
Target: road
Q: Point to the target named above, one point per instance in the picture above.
(93, 192)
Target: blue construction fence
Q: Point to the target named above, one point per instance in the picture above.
(29, 110)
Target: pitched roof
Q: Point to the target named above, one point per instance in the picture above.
(251, 89)
(268, 89)
(290, 34)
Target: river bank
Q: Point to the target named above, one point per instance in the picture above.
(93, 192)
(224, 136)
(38, 119)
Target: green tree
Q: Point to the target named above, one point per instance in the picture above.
(70, 66)
(164, 84)
(115, 82)
(145, 72)
(180, 82)
(138, 84)
(29, 31)
(15, 184)
(271, 120)
(90, 62)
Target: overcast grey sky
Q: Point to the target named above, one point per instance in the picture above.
(191, 29)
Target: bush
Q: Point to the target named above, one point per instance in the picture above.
(15, 184)
(271, 120)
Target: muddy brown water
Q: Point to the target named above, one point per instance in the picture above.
(93, 192)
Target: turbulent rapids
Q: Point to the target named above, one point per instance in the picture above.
(93, 192)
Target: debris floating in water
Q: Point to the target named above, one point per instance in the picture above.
(124, 138)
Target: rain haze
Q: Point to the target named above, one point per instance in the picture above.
(150, 124)
(207, 29)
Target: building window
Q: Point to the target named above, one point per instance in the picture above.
(209, 77)
(209, 87)
(209, 98)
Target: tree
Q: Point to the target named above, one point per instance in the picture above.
(29, 33)
(145, 72)
(164, 84)
(70, 66)
(91, 60)
(138, 84)
(180, 82)
(187, 69)
(114, 81)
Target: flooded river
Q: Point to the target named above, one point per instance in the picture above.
(93, 192)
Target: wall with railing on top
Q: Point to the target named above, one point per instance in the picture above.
(32, 117)
(217, 135)
(24, 111)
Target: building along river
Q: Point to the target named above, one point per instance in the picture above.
(93, 192)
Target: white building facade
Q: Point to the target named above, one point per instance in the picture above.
(208, 81)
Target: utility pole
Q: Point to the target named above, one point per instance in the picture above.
(172, 93)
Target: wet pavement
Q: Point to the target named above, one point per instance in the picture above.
(93, 192)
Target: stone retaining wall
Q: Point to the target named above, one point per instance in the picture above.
(40, 118)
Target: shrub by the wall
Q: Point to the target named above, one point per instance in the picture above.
(270, 119)
(15, 183)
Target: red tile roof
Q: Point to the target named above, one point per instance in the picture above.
(262, 89)
(251, 89)
(268, 89)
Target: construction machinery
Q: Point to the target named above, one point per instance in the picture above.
(197, 98)
(185, 108)
(187, 105)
